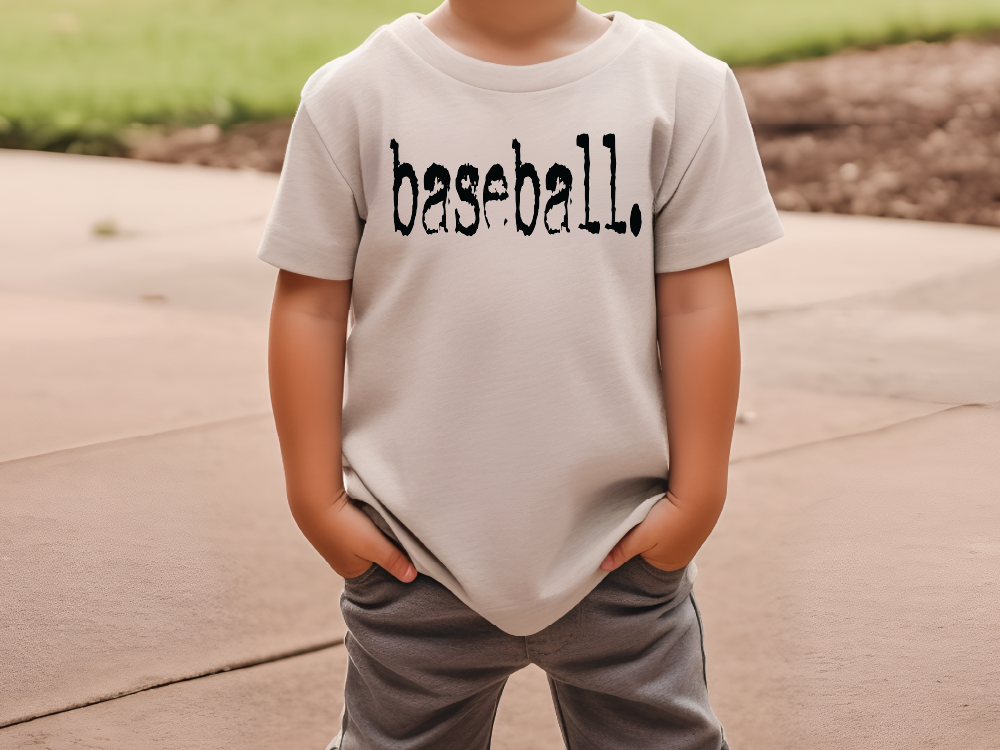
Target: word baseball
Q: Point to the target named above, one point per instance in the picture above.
(558, 181)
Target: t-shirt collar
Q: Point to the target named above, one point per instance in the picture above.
(517, 78)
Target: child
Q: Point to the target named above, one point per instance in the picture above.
(524, 210)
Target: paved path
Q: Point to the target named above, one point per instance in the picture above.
(155, 593)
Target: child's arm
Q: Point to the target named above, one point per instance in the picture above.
(306, 368)
(698, 331)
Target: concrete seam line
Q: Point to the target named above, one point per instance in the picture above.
(222, 670)
(779, 451)
(141, 436)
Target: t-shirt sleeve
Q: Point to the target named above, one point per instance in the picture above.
(314, 227)
(713, 201)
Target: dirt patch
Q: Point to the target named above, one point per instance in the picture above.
(259, 146)
(910, 131)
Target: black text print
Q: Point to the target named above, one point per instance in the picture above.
(527, 195)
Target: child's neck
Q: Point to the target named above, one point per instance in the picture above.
(515, 32)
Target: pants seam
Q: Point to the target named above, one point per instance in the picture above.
(701, 638)
(704, 664)
(559, 712)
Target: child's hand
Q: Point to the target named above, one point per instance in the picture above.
(350, 542)
(306, 369)
(668, 538)
(697, 328)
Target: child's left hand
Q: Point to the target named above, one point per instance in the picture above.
(697, 328)
(668, 538)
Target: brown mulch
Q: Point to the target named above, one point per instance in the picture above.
(910, 131)
(259, 145)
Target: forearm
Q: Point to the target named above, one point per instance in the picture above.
(306, 372)
(698, 333)
(306, 367)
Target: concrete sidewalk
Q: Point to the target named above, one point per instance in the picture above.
(155, 591)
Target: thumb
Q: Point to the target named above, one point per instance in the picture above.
(621, 553)
(389, 556)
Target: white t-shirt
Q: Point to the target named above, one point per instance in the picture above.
(503, 226)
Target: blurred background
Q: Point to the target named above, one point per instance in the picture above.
(216, 82)
(154, 591)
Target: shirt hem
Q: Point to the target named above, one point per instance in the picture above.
(282, 261)
(706, 249)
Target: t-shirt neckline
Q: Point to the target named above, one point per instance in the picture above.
(517, 78)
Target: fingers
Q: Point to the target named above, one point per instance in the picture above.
(395, 562)
(615, 559)
(387, 555)
(622, 552)
(356, 540)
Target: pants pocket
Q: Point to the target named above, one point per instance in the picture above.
(659, 571)
(369, 572)
(639, 583)
(670, 579)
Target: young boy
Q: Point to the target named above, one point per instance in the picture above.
(523, 209)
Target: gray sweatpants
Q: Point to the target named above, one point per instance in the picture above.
(626, 666)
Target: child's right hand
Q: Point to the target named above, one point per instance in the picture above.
(350, 542)
(306, 370)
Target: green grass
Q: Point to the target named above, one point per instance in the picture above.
(84, 68)
(74, 72)
(744, 32)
